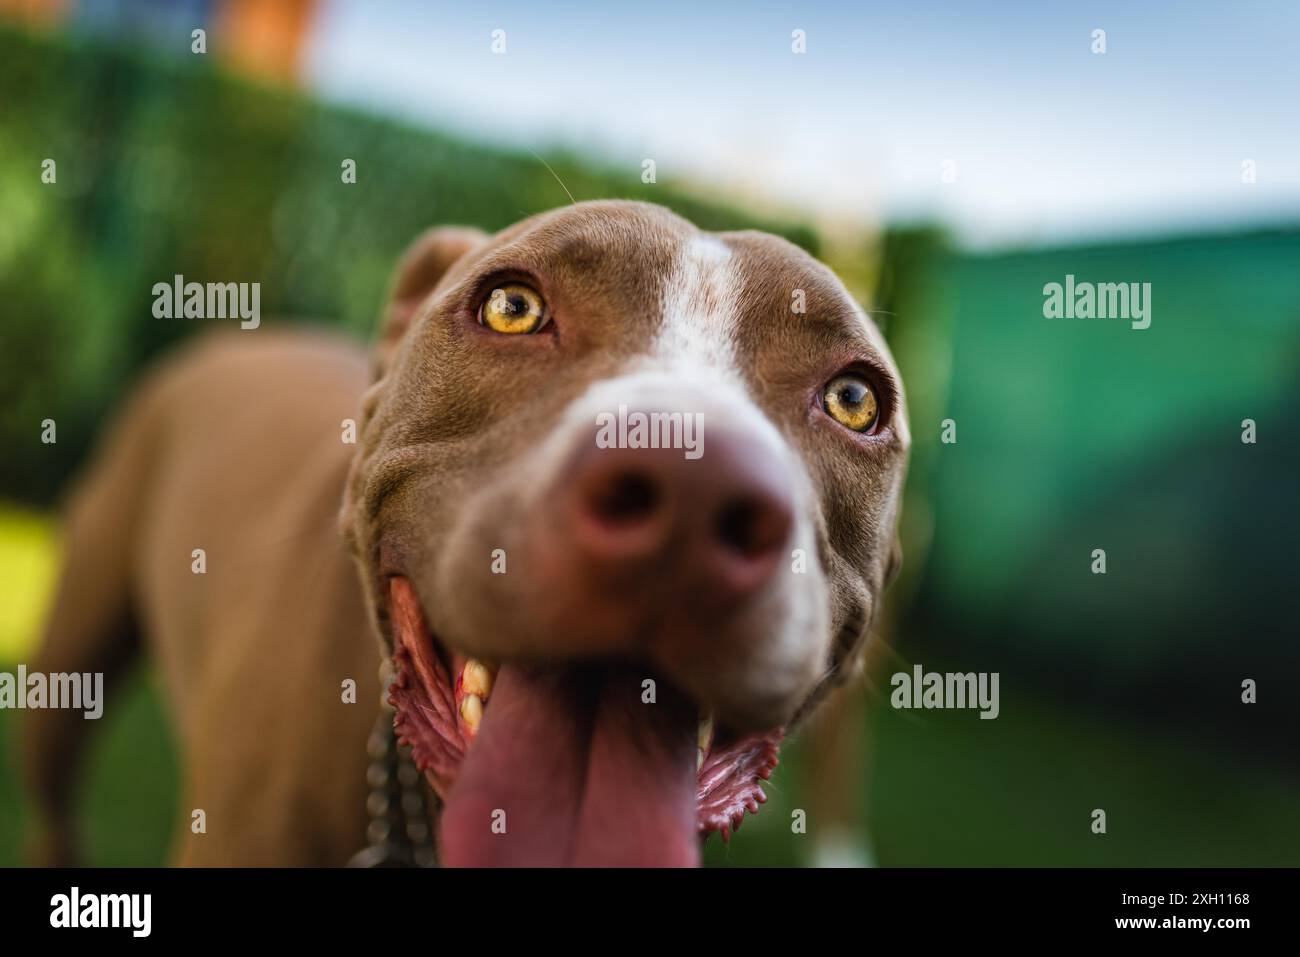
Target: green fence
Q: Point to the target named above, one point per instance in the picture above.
(1082, 434)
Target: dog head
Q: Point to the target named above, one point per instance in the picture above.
(624, 505)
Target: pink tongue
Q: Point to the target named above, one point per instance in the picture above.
(571, 768)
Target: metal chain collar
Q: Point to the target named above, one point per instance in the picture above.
(399, 802)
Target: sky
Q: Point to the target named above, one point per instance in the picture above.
(1043, 140)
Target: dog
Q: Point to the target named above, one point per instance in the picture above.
(621, 506)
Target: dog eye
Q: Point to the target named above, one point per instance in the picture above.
(513, 309)
(850, 401)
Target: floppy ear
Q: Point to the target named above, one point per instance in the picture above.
(419, 270)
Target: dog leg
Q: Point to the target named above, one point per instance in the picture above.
(91, 628)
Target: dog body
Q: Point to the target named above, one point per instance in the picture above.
(233, 448)
(534, 587)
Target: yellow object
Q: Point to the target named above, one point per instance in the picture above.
(29, 562)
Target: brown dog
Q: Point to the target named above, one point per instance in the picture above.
(614, 476)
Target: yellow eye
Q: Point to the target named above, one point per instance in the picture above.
(513, 309)
(850, 401)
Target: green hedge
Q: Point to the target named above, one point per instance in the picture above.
(165, 166)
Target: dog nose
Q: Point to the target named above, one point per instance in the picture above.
(722, 519)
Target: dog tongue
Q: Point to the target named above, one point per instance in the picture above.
(569, 767)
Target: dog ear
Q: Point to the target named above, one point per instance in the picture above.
(418, 272)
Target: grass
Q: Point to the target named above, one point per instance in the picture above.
(129, 798)
(949, 789)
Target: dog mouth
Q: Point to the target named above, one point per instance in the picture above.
(565, 764)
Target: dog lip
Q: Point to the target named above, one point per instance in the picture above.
(730, 771)
(390, 563)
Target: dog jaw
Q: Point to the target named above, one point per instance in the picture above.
(729, 772)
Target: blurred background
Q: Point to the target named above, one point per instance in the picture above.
(948, 163)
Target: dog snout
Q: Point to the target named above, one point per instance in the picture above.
(719, 522)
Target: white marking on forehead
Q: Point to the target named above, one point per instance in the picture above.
(700, 308)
